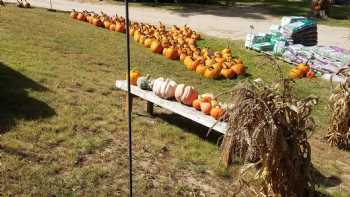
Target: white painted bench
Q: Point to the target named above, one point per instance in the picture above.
(173, 106)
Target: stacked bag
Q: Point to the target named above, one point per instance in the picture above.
(302, 31)
(293, 30)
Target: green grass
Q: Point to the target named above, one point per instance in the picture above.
(63, 130)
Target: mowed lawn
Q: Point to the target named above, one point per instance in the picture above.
(64, 132)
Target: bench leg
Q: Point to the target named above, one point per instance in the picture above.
(126, 104)
(150, 107)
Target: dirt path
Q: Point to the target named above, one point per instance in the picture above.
(232, 23)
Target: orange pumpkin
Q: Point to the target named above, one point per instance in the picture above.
(206, 107)
(190, 63)
(134, 75)
(238, 61)
(147, 43)
(112, 27)
(227, 73)
(81, 17)
(310, 74)
(142, 39)
(217, 112)
(156, 47)
(74, 14)
(97, 22)
(212, 73)
(106, 24)
(239, 69)
(182, 57)
(120, 27)
(201, 69)
(295, 73)
(197, 104)
(304, 68)
(171, 53)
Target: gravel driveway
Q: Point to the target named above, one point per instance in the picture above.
(232, 23)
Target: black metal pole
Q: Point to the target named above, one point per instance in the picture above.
(129, 94)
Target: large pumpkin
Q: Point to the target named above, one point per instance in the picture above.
(156, 47)
(157, 85)
(179, 91)
(167, 89)
(239, 69)
(189, 95)
(97, 22)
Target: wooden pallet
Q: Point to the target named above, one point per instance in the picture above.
(173, 106)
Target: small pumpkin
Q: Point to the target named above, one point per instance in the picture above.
(120, 27)
(207, 97)
(171, 53)
(295, 73)
(217, 112)
(182, 57)
(190, 63)
(134, 75)
(97, 22)
(310, 74)
(143, 83)
(239, 69)
(201, 69)
(81, 17)
(156, 47)
(112, 27)
(206, 107)
(212, 73)
(304, 68)
(74, 14)
(227, 73)
(197, 104)
(106, 24)
(147, 43)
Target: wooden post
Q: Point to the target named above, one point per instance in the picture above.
(150, 108)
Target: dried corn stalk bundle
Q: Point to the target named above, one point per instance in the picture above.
(338, 129)
(269, 126)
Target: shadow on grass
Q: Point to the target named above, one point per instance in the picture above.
(190, 127)
(14, 100)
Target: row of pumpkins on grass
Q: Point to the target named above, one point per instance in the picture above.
(175, 43)
(187, 95)
(300, 71)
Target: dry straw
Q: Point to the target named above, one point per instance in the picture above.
(338, 129)
(268, 131)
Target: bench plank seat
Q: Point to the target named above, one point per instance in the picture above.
(173, 106)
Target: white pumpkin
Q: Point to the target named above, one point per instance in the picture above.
(157, 86)
(179, 91)
(168, 89)
(189, 95)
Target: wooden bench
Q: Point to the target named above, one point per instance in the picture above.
(173, 106)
